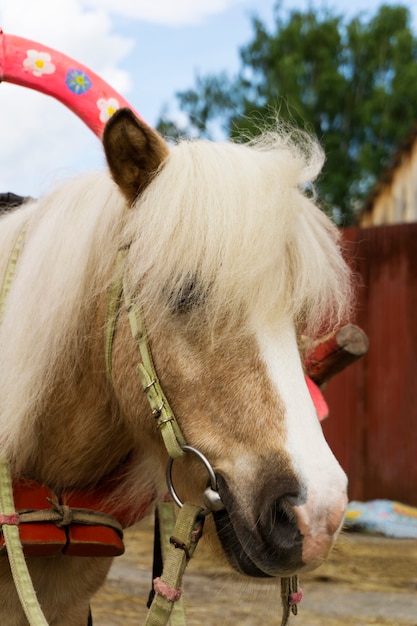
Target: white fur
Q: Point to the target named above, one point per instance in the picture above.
(322, 480)
(235, 218)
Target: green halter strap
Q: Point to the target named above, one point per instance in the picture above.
(161, 410)
(11, 269)
(167, 601)
(9, 518)
(160, 407)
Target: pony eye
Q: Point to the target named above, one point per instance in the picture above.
(187, 297)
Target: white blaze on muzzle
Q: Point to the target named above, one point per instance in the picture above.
(322, 481)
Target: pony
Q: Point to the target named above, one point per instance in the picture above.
(233, 262)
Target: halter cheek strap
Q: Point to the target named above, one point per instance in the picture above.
(160, 407)
(10, 528)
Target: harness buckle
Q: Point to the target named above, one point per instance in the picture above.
(157, 412)
(165, 421)
(149, 385)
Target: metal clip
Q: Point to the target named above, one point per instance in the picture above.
(157, 412)
(149, 385)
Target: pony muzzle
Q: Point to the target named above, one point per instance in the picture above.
(285, 537)
(319, 531)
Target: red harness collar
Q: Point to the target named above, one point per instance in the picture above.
(85, 523)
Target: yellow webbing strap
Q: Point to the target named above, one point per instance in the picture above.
(161, 410)
(291, 595)
(11, 269)
(167, 521)
(113, 305)
(20, 572)
(8, 516)
(183, 542)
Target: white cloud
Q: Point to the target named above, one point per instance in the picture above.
(40, 139)
(41, 142)
(168, 12)
(70, 27)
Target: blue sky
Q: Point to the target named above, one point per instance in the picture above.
(147, 50)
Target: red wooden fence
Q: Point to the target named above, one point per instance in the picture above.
(372, 427)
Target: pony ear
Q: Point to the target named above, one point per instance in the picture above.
(134, 152)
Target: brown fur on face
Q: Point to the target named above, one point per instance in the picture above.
(219, 390)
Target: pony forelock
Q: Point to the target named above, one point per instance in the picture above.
(234, 223)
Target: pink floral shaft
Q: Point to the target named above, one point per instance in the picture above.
(24, 62)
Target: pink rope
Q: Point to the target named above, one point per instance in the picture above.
(169, 593)
(10, 520)
(295, 597)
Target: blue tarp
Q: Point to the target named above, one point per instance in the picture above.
(385, 517)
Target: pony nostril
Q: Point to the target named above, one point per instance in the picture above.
(278, 524)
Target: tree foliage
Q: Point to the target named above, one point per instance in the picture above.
(353, 83)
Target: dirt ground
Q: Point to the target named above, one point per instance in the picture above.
(368, 581)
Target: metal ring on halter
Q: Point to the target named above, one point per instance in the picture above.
(211, 495)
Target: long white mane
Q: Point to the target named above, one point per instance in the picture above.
(230, 218)
(234, 221)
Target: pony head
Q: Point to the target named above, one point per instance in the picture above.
(232, 262)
